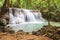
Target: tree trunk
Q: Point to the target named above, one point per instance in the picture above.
(48, 1)
(4, 8)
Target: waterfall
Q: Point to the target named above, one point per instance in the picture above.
(18, 16)
(24, 19)
(29, 16)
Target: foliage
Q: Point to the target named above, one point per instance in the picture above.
(31, 4)
(1, 2)
(38, 5)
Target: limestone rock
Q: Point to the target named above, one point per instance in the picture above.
(3, 22)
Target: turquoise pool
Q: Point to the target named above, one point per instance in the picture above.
(29, 27)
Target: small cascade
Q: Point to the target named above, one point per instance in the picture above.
(11, 17)
(18, 16)
(38, 16)
(29, 16)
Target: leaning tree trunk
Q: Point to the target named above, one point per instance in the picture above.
(4, 8)
(48, 1)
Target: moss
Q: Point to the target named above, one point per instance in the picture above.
(2, 22)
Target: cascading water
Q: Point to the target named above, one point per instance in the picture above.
(17, 17)
(29, 16)
(24, 15)
(20, 17)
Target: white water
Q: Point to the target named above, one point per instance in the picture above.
(23, 17)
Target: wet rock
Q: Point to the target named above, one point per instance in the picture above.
(20, 32)
(58, 32)
(3, 22)
(27, 33)
(52, 32)
(11, 31)
(34, 33)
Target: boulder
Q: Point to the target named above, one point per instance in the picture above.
(3, 22)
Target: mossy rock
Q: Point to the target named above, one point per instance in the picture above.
(3, 22)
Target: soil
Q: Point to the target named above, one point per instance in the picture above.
(17, 36)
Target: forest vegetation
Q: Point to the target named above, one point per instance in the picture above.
(41, 5)
(50, 10)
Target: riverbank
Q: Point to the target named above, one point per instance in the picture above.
(45, 33)
(18, 36)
